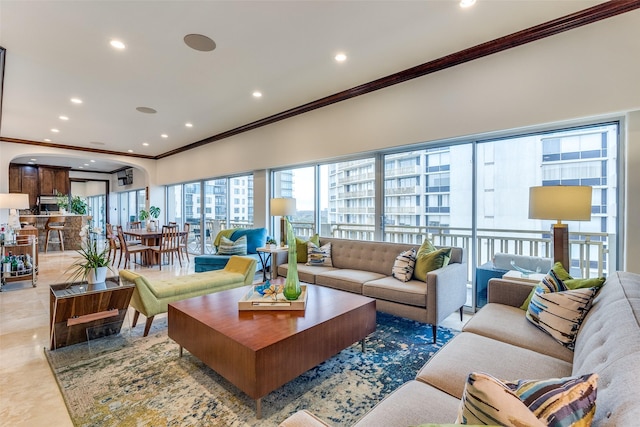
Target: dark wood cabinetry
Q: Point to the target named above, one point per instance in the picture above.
(38, 181)
(25, 179)
(53, 181)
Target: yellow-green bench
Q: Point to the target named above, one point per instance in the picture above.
(151, 297)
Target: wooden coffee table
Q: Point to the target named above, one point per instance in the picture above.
(259, 351)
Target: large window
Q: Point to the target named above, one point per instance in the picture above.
(300, 184)
(130, 203)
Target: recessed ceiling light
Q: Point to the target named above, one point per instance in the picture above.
(257, 94)
(164, 135)
(130, 151)
(189, 125)
(199, 42)
(86, 164)
(55, 130)
(92, 161)
(80, 167)
(146, 144)
(76, 100)
(117, 44)
(63, 117)
(33, 160)
(146, 110)
(467, 3)
(341, 57)
(47, 140)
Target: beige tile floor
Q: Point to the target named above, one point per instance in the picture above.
(29, 394)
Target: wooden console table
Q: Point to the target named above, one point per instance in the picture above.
(76, 307)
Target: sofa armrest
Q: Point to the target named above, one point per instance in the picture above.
(303, 418)
(446, 291)
(508, 292)
(243, 265)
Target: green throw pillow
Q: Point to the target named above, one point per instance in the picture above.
(560, 273)
(429, 261)
(301, 247)
(593, 282)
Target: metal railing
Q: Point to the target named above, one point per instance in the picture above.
(589, 252)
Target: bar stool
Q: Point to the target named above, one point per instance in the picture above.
(55, 224)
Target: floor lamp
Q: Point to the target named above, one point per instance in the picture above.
(560, 202)
(13, 202)
(283, 207)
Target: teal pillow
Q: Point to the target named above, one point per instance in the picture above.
(256, 238)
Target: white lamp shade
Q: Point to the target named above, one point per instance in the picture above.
(560, 202)
(283, 206)
(14, 201)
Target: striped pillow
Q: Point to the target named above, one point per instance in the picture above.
(229, 247)
(403, 265)
(319, 256)
(559, 311)
(556, 402)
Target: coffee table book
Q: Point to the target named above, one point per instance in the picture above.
(253, 300)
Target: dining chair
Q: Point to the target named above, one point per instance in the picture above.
(169, 245)
(184, 241)
(127, 249)
(114, 243)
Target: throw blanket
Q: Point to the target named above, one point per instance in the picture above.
(223, 233)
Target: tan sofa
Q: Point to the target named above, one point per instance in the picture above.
(364, 267)
(152, 297)
(500, 341)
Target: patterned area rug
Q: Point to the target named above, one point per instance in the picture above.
(128, 380)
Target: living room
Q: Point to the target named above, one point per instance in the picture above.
(554, 83)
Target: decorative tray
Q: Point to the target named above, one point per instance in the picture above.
(261, 297)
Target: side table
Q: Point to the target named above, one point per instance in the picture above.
(266, 255)
(516, 275)
(78, 308)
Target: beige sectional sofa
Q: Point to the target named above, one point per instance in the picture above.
(500, 341)
(364, 267)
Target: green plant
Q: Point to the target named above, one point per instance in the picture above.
(154, 212)
(78, 205)
(62, 200)
(143, 215)
(271, 241)
(91, 257)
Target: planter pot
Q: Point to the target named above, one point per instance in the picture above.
(152, 225)
(97, 275)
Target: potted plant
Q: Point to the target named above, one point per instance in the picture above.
(94, 263)
(153, 212)
(63, 202)
(271, 243)
(78, 205)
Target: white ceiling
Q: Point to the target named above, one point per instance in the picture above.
(57, 50)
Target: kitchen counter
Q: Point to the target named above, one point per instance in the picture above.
(72, 226)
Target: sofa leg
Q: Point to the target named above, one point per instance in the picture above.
(147, 326)
(461, 313)
(134, 322)
(434, 328)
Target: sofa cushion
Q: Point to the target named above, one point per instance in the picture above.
(231, 247)
(404, 265)
(509, 324)
(346, 279)
(319, 256)
(256, 238)
(556, 402)
(413, 403)
(306, 273)
(559, 272)
(429, 261)
(180, 285)
(413, 292)
(559, 312)
(301, 247)
(449, 367)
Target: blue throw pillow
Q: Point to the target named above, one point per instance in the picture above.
(256, 238)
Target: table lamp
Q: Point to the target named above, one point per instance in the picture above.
(283, 207)
(13, 202)
(560, 202)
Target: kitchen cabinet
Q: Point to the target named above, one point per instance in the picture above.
(53, 181)
(25, 179)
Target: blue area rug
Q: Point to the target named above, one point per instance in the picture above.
(129, 380)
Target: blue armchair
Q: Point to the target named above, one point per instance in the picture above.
(256, 238)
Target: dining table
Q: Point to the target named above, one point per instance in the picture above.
(148, 238)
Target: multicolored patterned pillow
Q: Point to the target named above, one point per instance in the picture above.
(404, 264)
(319, 256)
(556, 402)
(559, 311)
(230, 247)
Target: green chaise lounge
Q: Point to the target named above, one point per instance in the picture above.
(151, 297)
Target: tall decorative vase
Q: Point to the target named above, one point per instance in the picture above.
(292, 289)
(97, 275)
